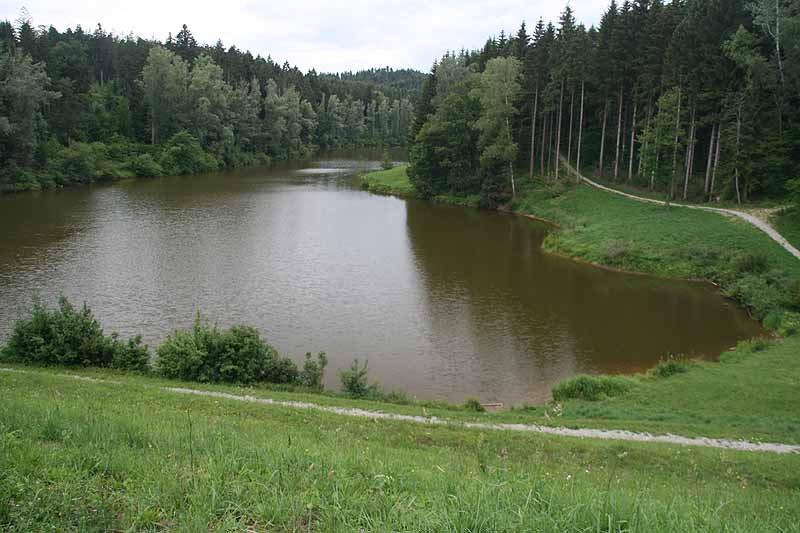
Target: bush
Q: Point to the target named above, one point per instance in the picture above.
(183, 155)
(144, 166)
(672, 366)
(752, 264)
(71, 337)
(471, 404)
(591, 388)
(83, 163)
(313, 371)
(386, 164)
(355, 381)
(238, 355)
(131, 355)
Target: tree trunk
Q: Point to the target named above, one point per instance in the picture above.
(603, 138)
(558, 136)
(778, 39)
(738, 152)
(511, 162)
(550, 128)
(707, 185)
(571, 121)
(580, 136)
(689, 157)
(716, 162)
(633, 143)
(619, 136)
(646, 127)
(153, 132)
(544, 136)
(533, 128)
(675, 151)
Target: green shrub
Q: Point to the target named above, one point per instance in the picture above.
(790, 324)
(752, 264)
(71, 337)
(386, 164)
(144, 166)
(131, 355)
(238, 355)
(591, 388)
(183, 155)
(471, 404)
(81, 162)
(313, 371)
(671, 366)
(181, 357)
(398, 397)
(355, 381)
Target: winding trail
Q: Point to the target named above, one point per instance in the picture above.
(755, 221)
(602, 434)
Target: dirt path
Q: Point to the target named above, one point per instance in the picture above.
(603, 434)
(752, 219)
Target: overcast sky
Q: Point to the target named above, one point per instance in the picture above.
(330, 36)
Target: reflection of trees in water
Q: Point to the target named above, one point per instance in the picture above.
(518, 317)
(487, 339)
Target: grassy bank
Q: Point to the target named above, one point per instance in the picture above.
(752, 392)
(93, 456)
(788, 223)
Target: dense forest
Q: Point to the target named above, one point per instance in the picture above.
(692, 99)
(78, 107)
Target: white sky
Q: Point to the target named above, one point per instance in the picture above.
(330, 36)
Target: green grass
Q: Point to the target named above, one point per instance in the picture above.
(751, 393)
(787, 222)
(393, 181)
(86, 456)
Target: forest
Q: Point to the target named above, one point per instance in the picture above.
(80, 107)
(687, 100)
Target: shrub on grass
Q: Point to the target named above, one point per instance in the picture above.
(752, 264)
(471, 404)
(71, 337)
(313, 371)
(356, 383)
(131, 355)
(238, 355)
(387, 164)
(671, 366)
(591, 388)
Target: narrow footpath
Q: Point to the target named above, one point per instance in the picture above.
(603, 434)
(755, 221)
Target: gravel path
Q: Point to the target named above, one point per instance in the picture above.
(755, 221)
(610, 434)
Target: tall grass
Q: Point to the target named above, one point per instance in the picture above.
(91, 456)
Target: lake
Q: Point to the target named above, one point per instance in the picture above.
(444, 302)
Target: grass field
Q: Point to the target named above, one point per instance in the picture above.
(83, 456)
(788, 223)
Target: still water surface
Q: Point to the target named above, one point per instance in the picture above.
(445, 302)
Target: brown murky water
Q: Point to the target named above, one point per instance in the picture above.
(445, 302)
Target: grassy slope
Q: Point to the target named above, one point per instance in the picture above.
(749, 395)
(90, 456)
(787, 222)
(394, 181)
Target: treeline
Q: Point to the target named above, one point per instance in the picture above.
(80, 107)
(695, 99)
